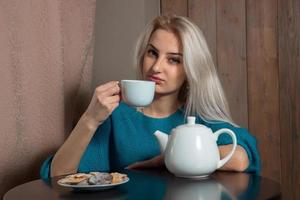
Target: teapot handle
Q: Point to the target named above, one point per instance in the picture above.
(229, 155)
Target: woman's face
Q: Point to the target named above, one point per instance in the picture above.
(163, 62)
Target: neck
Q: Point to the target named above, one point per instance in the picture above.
(162, 106)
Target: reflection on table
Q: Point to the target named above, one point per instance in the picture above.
(159, 184)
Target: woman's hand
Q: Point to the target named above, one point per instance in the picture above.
(105, 99)
(157, 161)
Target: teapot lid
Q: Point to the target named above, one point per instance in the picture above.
(191, 122)
(191, 127)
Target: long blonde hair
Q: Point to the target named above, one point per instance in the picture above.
(203, 92)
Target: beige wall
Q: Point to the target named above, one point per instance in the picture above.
(118, 24)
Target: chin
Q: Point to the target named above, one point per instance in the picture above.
(162, 92)
(159, 89)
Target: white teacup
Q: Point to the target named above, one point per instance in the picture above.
(137, 93)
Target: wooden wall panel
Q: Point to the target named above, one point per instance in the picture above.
(256, 45)
(263, 85)
(231, 54)
(178, 7)
(289, 76)
(203, 13)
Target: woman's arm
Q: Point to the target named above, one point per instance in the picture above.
(67, 158)
(246, 157)
(105, 99)
(239, 160)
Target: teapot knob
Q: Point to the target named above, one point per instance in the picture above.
(191, 120)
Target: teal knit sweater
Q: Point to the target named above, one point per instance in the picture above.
(127, 137)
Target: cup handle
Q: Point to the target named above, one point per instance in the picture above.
(229, 155)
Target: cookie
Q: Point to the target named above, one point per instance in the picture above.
(99, 178)
(75, 178)
(118, 177)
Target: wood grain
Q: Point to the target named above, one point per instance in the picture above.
(256, 45)
(263, 83)
(177, 7)
(289, 76)
(231, 54)
(203, 13)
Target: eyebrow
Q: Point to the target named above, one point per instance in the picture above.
(171, 53)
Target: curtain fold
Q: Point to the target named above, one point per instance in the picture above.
(46, 54)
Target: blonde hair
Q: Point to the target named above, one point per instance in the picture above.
(203, 92)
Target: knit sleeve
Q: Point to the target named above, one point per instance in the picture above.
(244, 139)
(45, 168)
(96, 155)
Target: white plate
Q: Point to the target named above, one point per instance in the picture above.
(92, 187)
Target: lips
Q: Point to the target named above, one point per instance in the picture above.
(155, 79)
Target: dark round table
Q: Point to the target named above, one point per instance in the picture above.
(158, 184)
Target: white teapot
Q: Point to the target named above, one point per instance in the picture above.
(191, 149)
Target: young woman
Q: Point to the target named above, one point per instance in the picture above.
(111, 135)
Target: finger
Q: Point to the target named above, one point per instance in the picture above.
(154, 162)
(138, 165)
(106, 86)
(104, 97)
(141, 164)
(111, 91)
(158, 161)
(112, 99)
(112, 107)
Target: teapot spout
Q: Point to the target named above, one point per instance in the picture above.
(162, 139)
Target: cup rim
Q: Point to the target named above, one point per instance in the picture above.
(128, 80)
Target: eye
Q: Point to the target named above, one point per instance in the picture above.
(152, 53)
(174, 60)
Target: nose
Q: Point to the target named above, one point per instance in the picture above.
(157, 65)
